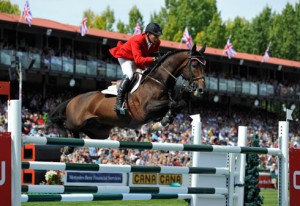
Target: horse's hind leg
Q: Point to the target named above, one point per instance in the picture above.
(94, 129)
(70, 149)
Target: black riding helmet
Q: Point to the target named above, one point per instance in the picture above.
(153, 28)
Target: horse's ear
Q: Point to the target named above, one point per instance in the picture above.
(202, 50)
(194, 48)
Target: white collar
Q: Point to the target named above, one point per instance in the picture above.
(148, 42)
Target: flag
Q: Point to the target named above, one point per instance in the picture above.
(187, 38)
(266, 55)
(27, 13)
(289, 114)
(137, 28)
(229, 50)
(84, 26)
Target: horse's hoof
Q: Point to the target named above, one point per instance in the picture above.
(165, 122)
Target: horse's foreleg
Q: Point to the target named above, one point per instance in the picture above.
(167, 119)
(174, 107)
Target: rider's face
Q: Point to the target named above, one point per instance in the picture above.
(153, 38)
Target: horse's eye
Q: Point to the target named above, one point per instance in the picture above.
(194, 66)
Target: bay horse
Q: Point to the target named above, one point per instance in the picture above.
(93, 113)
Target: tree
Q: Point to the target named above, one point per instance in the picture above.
(134, 16)
(90, 15)
(297, 35)
(178, 14)
(104, 21)
(7, 7)
(239, 28)
(284, 33)
(121, 27)
(214, 34)
(259, 37)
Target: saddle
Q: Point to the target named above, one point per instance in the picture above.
(135, 82)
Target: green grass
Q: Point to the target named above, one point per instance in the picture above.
(270, 199)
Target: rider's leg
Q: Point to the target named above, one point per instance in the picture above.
(121, 93)
(128, 68)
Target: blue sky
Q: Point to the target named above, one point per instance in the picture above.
(71, 11)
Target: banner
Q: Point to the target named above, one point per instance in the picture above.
(294, 157)
(5, 169)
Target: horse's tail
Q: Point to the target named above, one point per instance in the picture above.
(57, 117)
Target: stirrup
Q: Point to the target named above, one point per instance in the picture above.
(122, 110)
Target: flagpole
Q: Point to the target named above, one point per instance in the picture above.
(180, 44)
(270, 44)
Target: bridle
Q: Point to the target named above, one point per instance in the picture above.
(192, 86)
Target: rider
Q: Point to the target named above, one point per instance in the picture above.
(135, 53)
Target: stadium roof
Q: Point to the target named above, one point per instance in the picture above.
(49, 24)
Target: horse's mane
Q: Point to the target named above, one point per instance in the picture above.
(168, 54)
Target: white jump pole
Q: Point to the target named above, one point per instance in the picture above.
(283, 190)
(14, 127)
(196, 129)
(241, 165)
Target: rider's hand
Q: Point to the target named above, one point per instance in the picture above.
(157, 59)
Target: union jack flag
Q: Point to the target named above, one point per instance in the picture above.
(137, 28)
(187, 38)
(27, 13)
(266, 55)
(229, 50)
(84, 26)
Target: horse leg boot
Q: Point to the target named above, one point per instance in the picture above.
(167, 119)
(121, 94)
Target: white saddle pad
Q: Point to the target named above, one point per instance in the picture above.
(112, 89)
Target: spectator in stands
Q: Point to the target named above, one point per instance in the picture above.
(135, 53)
(274, 174)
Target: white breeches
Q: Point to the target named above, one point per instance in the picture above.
(128, 67)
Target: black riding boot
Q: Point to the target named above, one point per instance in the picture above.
(121, 94)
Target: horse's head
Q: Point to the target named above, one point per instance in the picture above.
(194, 71)
(190, 64)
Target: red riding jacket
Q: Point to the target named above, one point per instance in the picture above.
(136, 49)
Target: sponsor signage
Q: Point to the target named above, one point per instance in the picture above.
(5, 169)
(265, 180)
(94, 178)
(154, 179)
(86, 177)
(294, 165)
